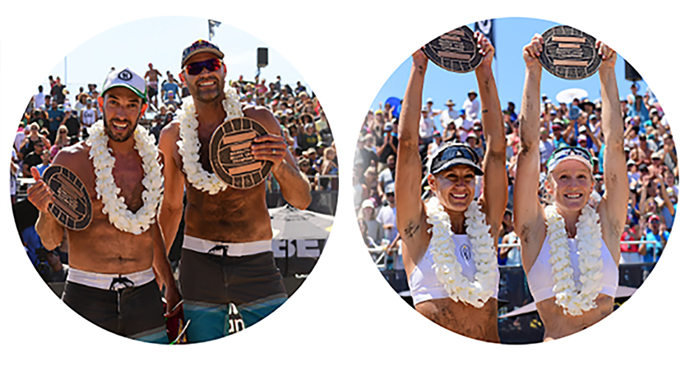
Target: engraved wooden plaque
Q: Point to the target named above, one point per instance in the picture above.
(230, 153)
(569, 53)
(455, 51)
(71, 206)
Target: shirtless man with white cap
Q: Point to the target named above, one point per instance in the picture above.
(114, 260)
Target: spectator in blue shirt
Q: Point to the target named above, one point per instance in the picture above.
(170, 85)
(656, 236)
(638, 108)
(55, 117)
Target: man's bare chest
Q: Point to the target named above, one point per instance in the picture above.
(126, 183)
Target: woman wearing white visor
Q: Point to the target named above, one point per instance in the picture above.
(570, 251)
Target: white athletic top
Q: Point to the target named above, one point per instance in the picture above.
(423, 281)
(540, 278)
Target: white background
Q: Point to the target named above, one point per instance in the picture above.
(346, 314)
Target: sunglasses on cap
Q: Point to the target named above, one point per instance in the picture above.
(212, 65)
(455, 155)
(568, 151)
(457, 151)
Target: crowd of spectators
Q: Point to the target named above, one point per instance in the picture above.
(650, 156)
(300, 114)
(56, 119)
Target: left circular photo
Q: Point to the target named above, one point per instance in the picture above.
(175, 188)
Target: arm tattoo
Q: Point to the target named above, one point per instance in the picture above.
(484, 111)
(411, 229)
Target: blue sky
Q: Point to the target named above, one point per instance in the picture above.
(511, 35)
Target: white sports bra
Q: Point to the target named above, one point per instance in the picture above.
(540, 277)
(423, 281)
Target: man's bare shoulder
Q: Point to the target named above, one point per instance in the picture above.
(171, 130)
(168, 136)
(264, 117)
(76, 152)
(74, 157)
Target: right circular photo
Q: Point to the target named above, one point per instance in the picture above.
(515, 180)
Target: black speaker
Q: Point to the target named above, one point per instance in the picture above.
(262, 59)
(631, 74)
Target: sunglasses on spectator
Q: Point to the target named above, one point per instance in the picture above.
(212, 65)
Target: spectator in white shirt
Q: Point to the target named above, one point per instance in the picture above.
(449, 115)
(426, 126)
(39, 98)
(472, 105)
(546, 145)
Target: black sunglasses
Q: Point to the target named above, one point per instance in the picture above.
(212, 65)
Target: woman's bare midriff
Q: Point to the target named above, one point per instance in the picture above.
(557, 324)
(476, 323)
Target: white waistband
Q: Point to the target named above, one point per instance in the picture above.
(110, 281)
(232, 249)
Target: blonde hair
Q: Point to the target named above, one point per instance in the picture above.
(61, 128)
(327, 151)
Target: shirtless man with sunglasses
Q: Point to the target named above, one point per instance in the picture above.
(226, 261)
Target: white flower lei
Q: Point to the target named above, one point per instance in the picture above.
(575, 302)
(447, 268)
(107, 191)
(189, 145)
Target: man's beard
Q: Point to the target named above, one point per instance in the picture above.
(208, 96)
(126, 135)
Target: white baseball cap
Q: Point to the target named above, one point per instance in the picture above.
(125, 77)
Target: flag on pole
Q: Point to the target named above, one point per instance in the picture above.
(486, 27)
(211, 27)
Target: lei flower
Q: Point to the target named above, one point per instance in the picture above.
(189, 144)
(575, 299)
(107, 191)
(447, 268)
